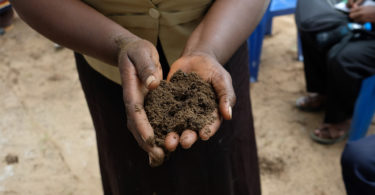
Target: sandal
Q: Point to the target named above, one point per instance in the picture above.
(312, 102)
(331, 134)
(6, 17)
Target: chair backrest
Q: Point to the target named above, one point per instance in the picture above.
(282, 7)
(364, 109)
(276, 8)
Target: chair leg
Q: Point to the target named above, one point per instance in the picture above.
(268, 30)
(364, 110)
(255, 49)
(255, 43)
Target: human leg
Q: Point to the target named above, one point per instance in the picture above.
(345, 74)
(315, 74)
(358, 166)
(352, 64)
(313, 17)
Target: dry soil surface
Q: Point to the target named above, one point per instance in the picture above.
(44, 121)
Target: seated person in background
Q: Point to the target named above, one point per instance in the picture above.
(358, 166)
(334, 73)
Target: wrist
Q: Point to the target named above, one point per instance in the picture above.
(122, 41)
(200, 52)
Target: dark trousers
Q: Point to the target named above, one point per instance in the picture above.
(227, 164)
(358, 166)
(340, 77)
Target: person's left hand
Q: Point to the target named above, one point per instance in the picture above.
(210, 70)
(363, 14)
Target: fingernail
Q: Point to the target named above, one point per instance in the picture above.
(230, 112)
(154, 162)
(205, 134)
(149, 160)
(205, 137)
(183, 141)
(149, 80)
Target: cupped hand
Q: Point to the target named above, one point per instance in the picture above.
(140, 70)
(363, 14)
(210, 70)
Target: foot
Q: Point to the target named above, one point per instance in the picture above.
(311, 102)
(331, 133)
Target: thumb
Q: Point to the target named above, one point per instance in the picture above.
(222, 84)
(146, 62)
(156, 156)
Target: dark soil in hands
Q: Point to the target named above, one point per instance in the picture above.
(186, 102)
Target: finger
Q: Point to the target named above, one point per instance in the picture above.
(222, 84)
(208, 131)
(349, 3)
(146, 61)
(354, 9)
(359, 20)
(156, 156)
(357, 3)
(171, 73)
(175, 67)
(354, 12)
(137, 121)
(355, 15)
(188, 138)
(134, 99)
(145, 139)
(171, 141)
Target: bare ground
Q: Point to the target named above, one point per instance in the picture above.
(44, 121)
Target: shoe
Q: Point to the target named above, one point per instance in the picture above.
(311, 103)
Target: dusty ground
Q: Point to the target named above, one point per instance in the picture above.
(44, 121)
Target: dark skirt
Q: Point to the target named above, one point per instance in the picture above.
(226, 164)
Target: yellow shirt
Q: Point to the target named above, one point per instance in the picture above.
(172, 21)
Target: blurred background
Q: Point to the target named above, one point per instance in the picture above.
(47, 140)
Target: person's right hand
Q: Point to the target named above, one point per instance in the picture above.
(354, 3)
(140, 70)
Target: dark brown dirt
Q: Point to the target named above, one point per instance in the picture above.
(186, 102)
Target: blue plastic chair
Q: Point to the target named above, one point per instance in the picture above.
(364, 110)
(279, 8)
(255, 41)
